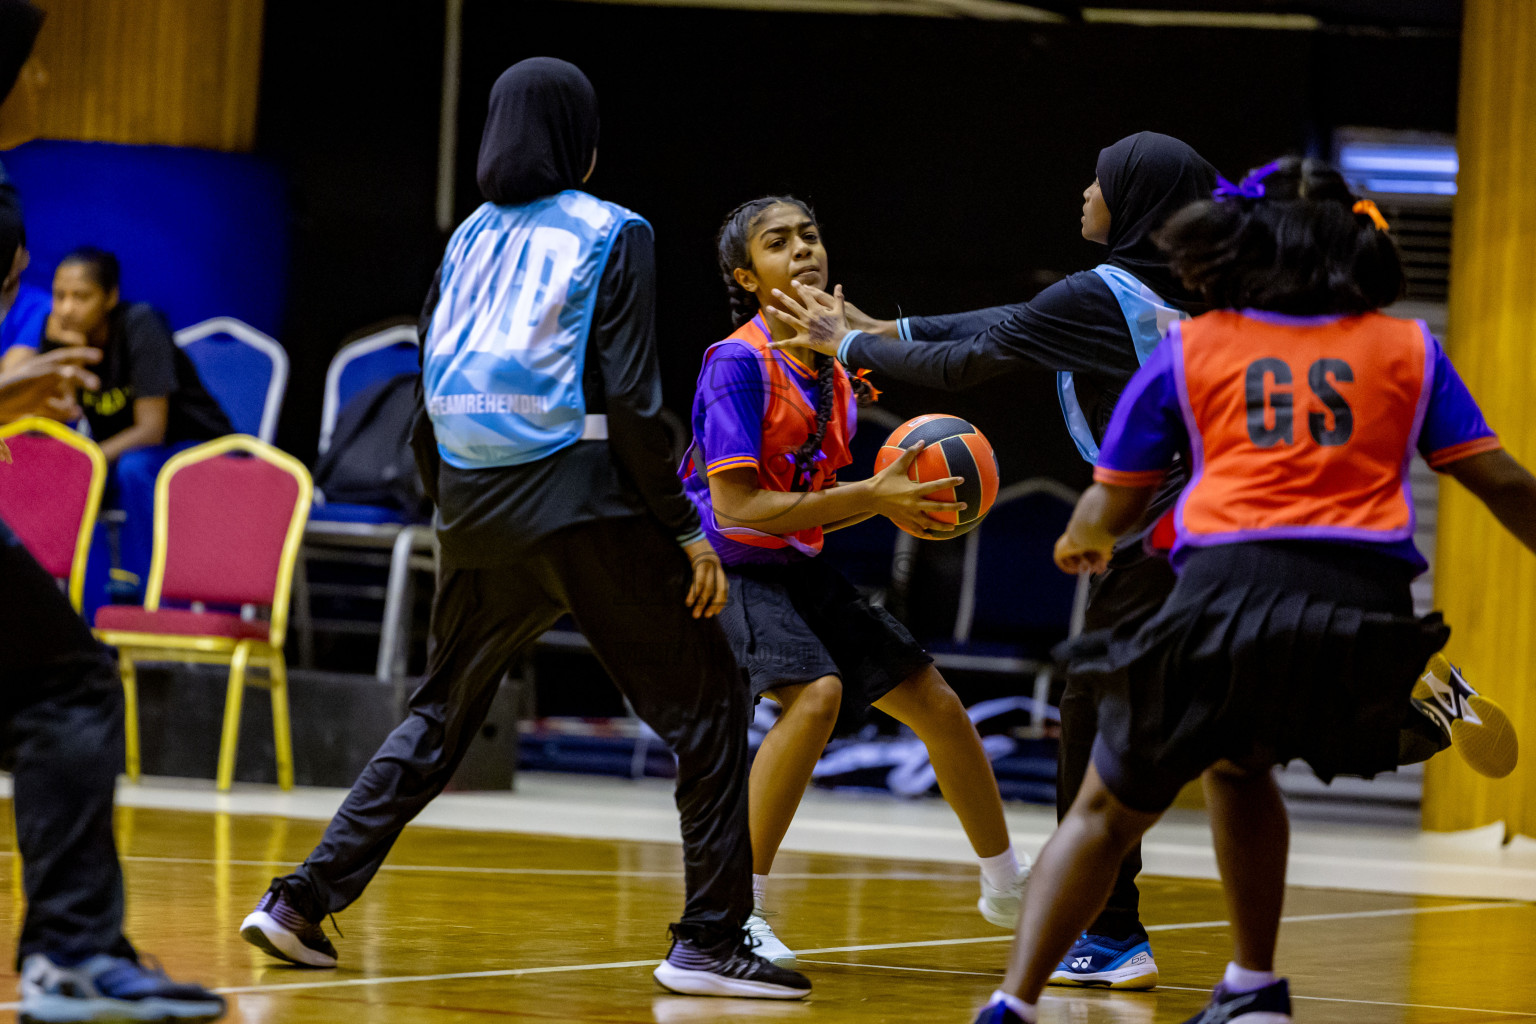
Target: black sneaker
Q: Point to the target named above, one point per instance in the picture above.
(1268, 1005)
(275, 927)
(730, 969)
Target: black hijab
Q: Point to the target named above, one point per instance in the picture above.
(1145, 179)
(540, 132)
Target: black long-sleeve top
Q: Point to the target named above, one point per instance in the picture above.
(488, 517)
(1075, 325)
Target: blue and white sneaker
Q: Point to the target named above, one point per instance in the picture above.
(1268, 1005)
(1097, 961)
(1477, 727)
(109, 988)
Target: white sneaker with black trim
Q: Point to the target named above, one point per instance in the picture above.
(768, 945)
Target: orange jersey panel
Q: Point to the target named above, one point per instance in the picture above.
(1302, 428)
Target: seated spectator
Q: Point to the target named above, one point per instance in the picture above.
(148, 403)
(150, 394)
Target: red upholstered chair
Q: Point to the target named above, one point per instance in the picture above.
(50, 494)
(229, 519)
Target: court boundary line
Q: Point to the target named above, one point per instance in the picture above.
(1182, 988)
(451, 869)
(517, 972)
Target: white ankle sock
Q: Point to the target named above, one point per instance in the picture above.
(1025, 1010)
(759, 892)
(1241, 979)
(1001, 870)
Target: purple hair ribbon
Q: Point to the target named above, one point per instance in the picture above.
(1251, 187)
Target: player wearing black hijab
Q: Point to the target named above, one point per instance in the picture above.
(1094, 328)
(540, 442)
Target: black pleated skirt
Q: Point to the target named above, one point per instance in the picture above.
(1263, 653)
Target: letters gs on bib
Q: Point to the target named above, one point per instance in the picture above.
(1269, 386)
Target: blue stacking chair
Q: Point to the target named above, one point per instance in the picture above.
(244, 370)
(360, 364)
(364, 535)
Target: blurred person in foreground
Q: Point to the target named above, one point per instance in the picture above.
(61, 704)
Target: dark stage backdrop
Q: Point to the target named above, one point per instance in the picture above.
(945, 158)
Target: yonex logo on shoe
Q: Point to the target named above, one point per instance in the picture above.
(1082, 963)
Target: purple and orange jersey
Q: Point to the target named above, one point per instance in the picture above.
(1297, 427)
(753, 409)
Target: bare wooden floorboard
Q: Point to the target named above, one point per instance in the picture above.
(465, 926)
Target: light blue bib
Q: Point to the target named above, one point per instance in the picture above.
(1147, 316)
(507, 343)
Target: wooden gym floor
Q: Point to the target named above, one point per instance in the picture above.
(471, 926)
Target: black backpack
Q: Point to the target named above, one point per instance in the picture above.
(370, 460)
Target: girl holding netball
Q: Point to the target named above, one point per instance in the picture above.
(1290, 630)
(771, 430)
(1094, 328)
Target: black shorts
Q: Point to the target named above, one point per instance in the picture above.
(1265, 652)
(798, 622)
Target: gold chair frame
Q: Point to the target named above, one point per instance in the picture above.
(240, 655)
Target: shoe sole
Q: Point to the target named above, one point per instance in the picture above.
(63, 1010)
(1492, 748)
(1133, 979)
(994, 918)
(702, 983)
(261, 931)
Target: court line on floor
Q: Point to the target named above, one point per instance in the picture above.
(1181, 988)
(516, 972)
(1377, 1002)
(787, 876)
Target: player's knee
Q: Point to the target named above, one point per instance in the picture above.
(1100, 814)
(933, 700)
(821, 699)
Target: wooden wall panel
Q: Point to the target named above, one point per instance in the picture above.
(170, 72)
(1485, 581)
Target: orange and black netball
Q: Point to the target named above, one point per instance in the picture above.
(955, 448)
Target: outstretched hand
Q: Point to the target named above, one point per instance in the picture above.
(48, 384)
(818, 318)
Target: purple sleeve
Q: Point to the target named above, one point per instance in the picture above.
(728, 421)
(1147, 429)
(1454, 427)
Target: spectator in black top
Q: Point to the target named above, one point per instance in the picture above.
(148, 406)
(150, 393)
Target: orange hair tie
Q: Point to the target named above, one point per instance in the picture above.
(874, 392)
(1368, 208)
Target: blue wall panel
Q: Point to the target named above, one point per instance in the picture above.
(199, 233)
